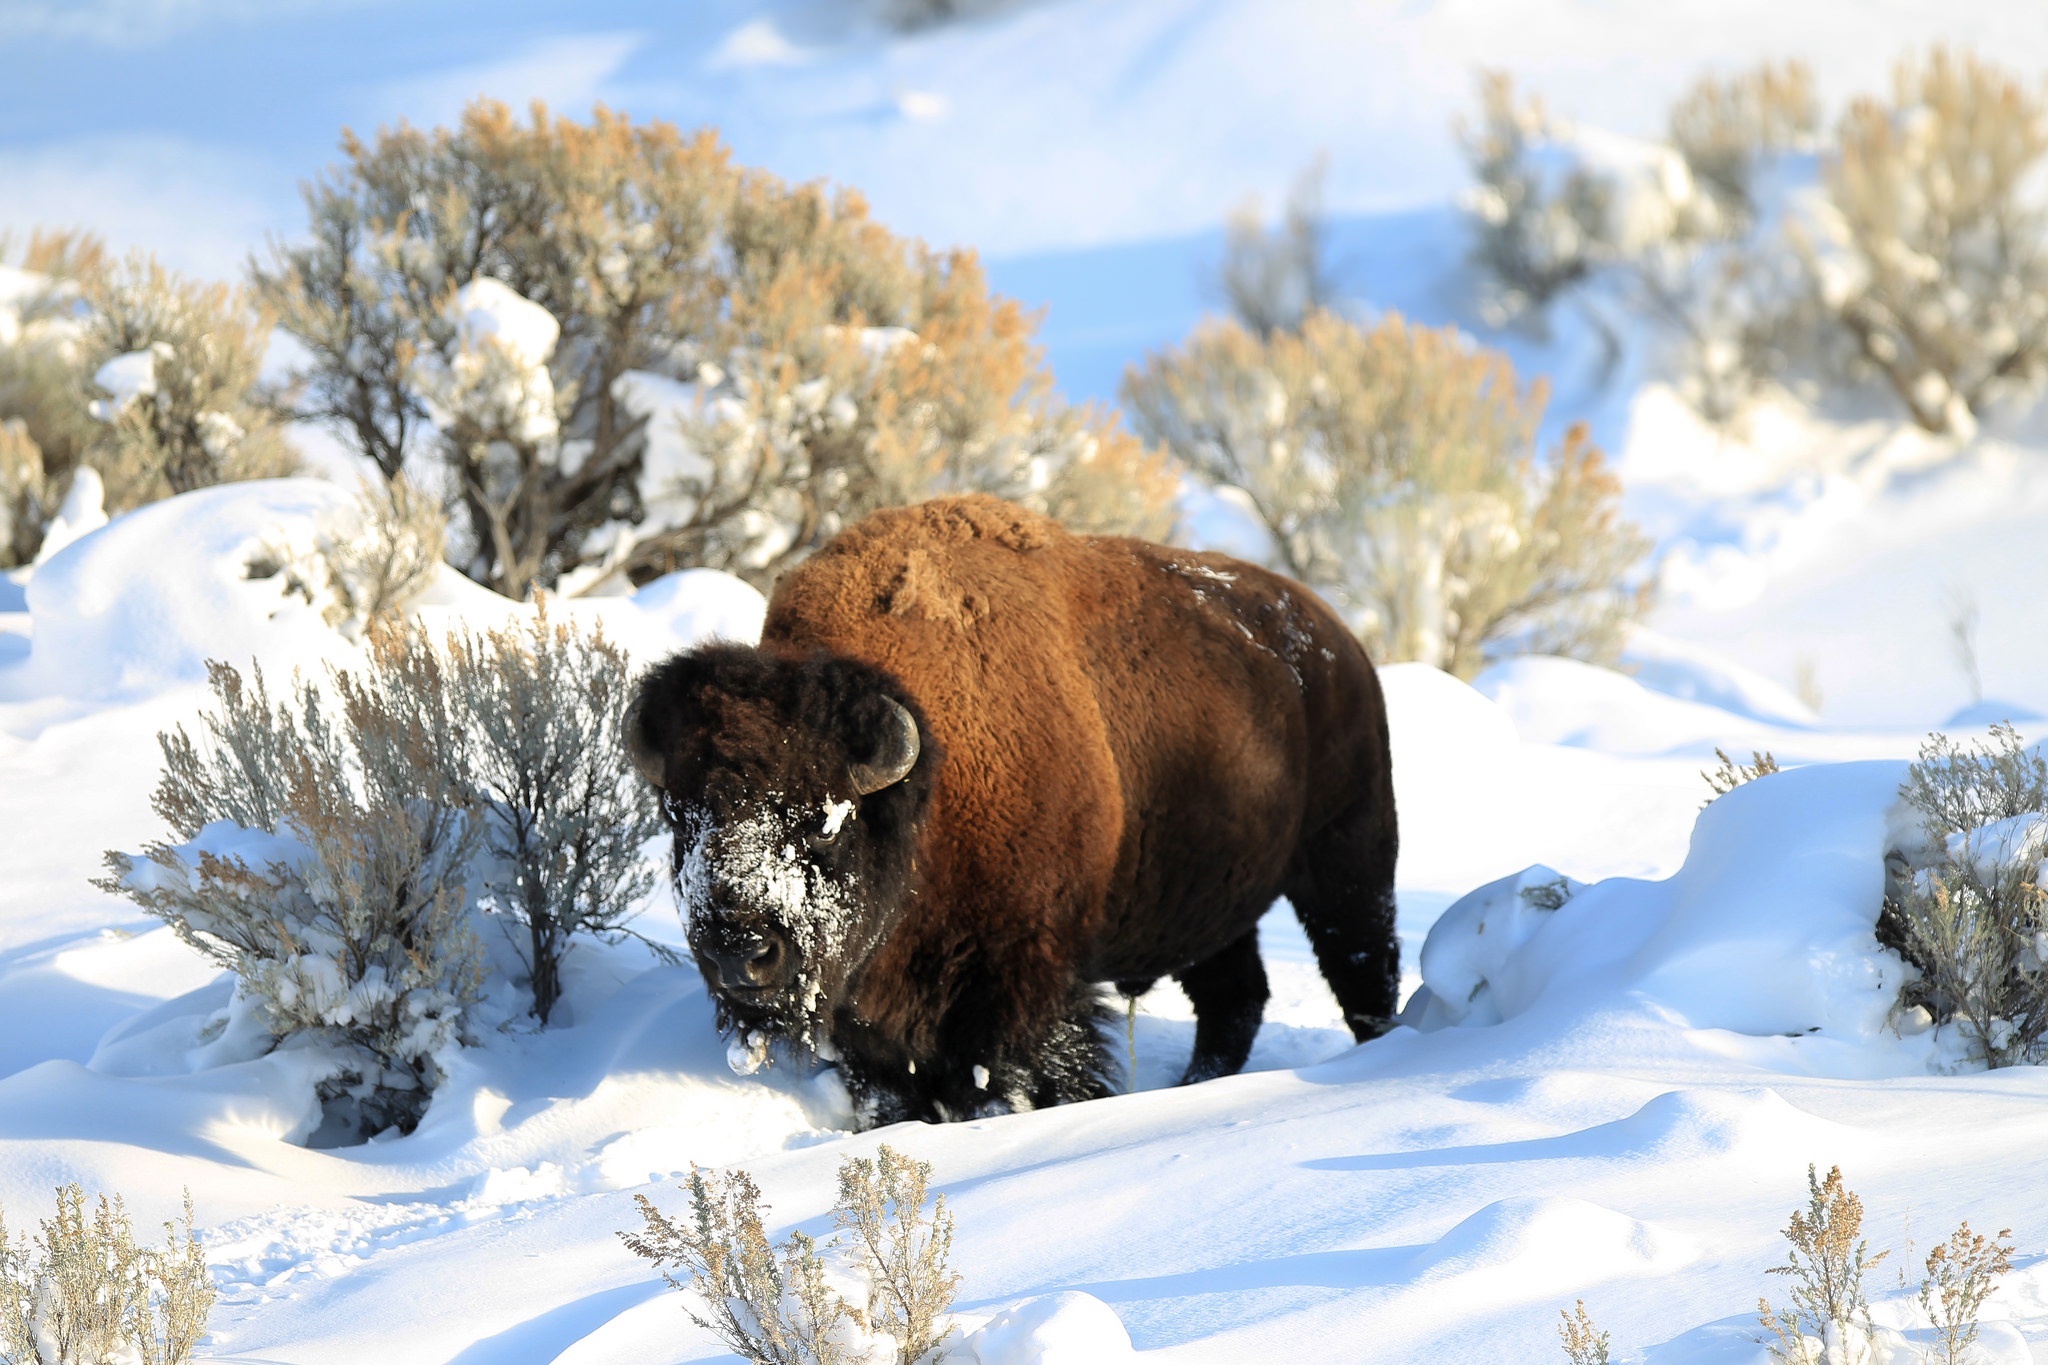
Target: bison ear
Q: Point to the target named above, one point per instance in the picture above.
(892, 735)
(665, 702)
(641, 746)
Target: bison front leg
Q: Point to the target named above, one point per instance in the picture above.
(1228, 992)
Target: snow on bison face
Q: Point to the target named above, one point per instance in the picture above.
(789, 787)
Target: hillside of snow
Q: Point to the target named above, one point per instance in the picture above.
(1616, 1099)
(1608, 1090)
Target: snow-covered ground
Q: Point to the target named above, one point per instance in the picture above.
(1615, 1100)
(1626, 1114)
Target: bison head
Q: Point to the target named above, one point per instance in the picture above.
(796, 787)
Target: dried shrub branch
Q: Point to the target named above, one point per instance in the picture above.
(1826, 1265)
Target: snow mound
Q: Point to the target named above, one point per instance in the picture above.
(704, 604)
(1766, 929)
(1056, 1329)
(1536, 1247)
(1693, 1125)
(1691, 673)
(141, 604)
(1564, 701)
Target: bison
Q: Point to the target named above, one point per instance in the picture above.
(979, 765)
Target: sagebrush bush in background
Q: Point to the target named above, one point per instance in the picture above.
(1726, 127)
(542, 706)
(178, 365)
(795, 1304)
(45, 428)
(1537, 221)
(365, 567)
(1274, 278)
(630, 356)
(1966, 907)
(1941, 275)
(1397, 472)
(84, 1293)
(322, 854)
(1731, 774)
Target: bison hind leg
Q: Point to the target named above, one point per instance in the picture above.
(1228, 992)
(1342, 887)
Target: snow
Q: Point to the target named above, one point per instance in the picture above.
(1632, 1023)
(1648, 1045)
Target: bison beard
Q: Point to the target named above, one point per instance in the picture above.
(978, 766)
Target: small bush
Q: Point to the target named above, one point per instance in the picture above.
(541, 707)
(178, 364)
(1944, 281)
(1966, 908)
(1584, 1343)
(1961, 1273)
(1826, 1265)
(84, 1293)
(631, 356)
(1538, 230)
(1396, 470)
(324, 859)
(789, 1305)
(1731, 774)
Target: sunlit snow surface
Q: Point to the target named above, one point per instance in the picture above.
(1680, 1039)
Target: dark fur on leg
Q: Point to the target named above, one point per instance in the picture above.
(1228, 992)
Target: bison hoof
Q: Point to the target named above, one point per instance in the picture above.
(1366, 1027)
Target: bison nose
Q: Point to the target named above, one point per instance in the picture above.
(757, 961)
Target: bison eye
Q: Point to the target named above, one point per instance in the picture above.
(823, 837)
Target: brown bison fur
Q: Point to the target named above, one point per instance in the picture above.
(1124, 753)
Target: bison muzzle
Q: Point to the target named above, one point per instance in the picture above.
(978, 766)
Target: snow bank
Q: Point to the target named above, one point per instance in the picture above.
(1766, 930)
(141, 604)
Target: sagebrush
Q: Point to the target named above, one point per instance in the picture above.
(1964, 904)
(1825, 1266)
(1584, 1342)
(884, 1283)
(83, 1292)
(1943, 273)
(1537, 231)
(335, 847)
(322, 851)
(147, 377)
(542, 710)
(1397, 470)
(630, 355)
(1731, 774)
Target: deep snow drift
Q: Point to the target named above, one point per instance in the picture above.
(1611, 1087)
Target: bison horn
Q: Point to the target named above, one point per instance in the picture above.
(645, 761)
(898, 753)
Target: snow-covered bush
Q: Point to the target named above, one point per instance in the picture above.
(45, 428)
(323, 855)
(541, 707)
(85, 1294)
(366, 567)
(1964, 898)
(1937, 263)
(1828, 1321)
(884, 1302)
(1396, 470)
(148, 378)
(629, 356)
(177, 366)
(1537, 216)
